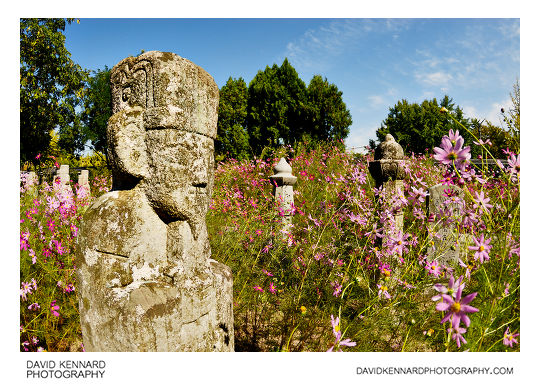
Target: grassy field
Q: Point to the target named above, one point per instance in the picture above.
(342, 278)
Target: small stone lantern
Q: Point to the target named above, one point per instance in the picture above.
(283, 181)
(388, 170)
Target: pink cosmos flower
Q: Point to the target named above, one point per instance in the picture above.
(399, 243)
(383, 290)
(272, 288)
(32, 253)
(54, 307)
(454, 137)
(358, 219)
(385, 269)
(419, 213)
(452, 151)
(418, 195)
(509, 338)
(451, 289)
(433, 268)
(24, 240)
(258, 288)
(337, 333)
(457, 335)
(481, 201)
(482, 248)
(337, 288)
(457, 308)
(34, 307)
(514, 165)
(26, 288)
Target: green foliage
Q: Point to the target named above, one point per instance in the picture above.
(511, 118)
(327, 116)
(97, 109)
(232, 138)
(51, 88)
(281, 110)
(500, 139)
(420, 127)
(276, 99)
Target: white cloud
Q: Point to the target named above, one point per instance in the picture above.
(359, 137)
(437, 79)
(490, 112)
(376, 100)
(319, 48)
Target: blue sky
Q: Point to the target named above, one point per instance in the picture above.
(374, 62)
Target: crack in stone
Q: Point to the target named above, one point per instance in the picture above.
(113, 254)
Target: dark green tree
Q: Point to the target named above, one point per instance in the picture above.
(276, 107)
(51, 88)
(232, 138)
(327, 116)
(97, 109)
(420, 127)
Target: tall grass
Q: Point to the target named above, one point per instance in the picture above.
(342, 278)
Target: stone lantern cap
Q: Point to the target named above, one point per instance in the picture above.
(283, 174)
(389, 149)
(389, 161)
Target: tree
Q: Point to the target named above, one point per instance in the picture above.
(420, 127)
(97, 109)
(512, 119)
(232, 137)
(328, 118)
(276, 105)
(51, 87)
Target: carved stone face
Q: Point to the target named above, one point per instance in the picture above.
(180, 174)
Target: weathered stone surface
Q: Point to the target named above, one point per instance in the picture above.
(61, 180)
(283, 181)
(32, 179)
(388, 162)
(83, 181)
(447, 244)
(146, 280)
(387, 169)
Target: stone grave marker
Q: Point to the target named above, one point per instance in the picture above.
(446, 201)
(62, 175)
(83, 181)
(145, 277)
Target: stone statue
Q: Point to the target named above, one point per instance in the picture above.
(145, 277)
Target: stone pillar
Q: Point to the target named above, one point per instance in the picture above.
(387, 170)
(83, 181)
(145, 277)
(445, 203)
(32, 179)
(283, 181)
(62, 174)
(31, 182)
